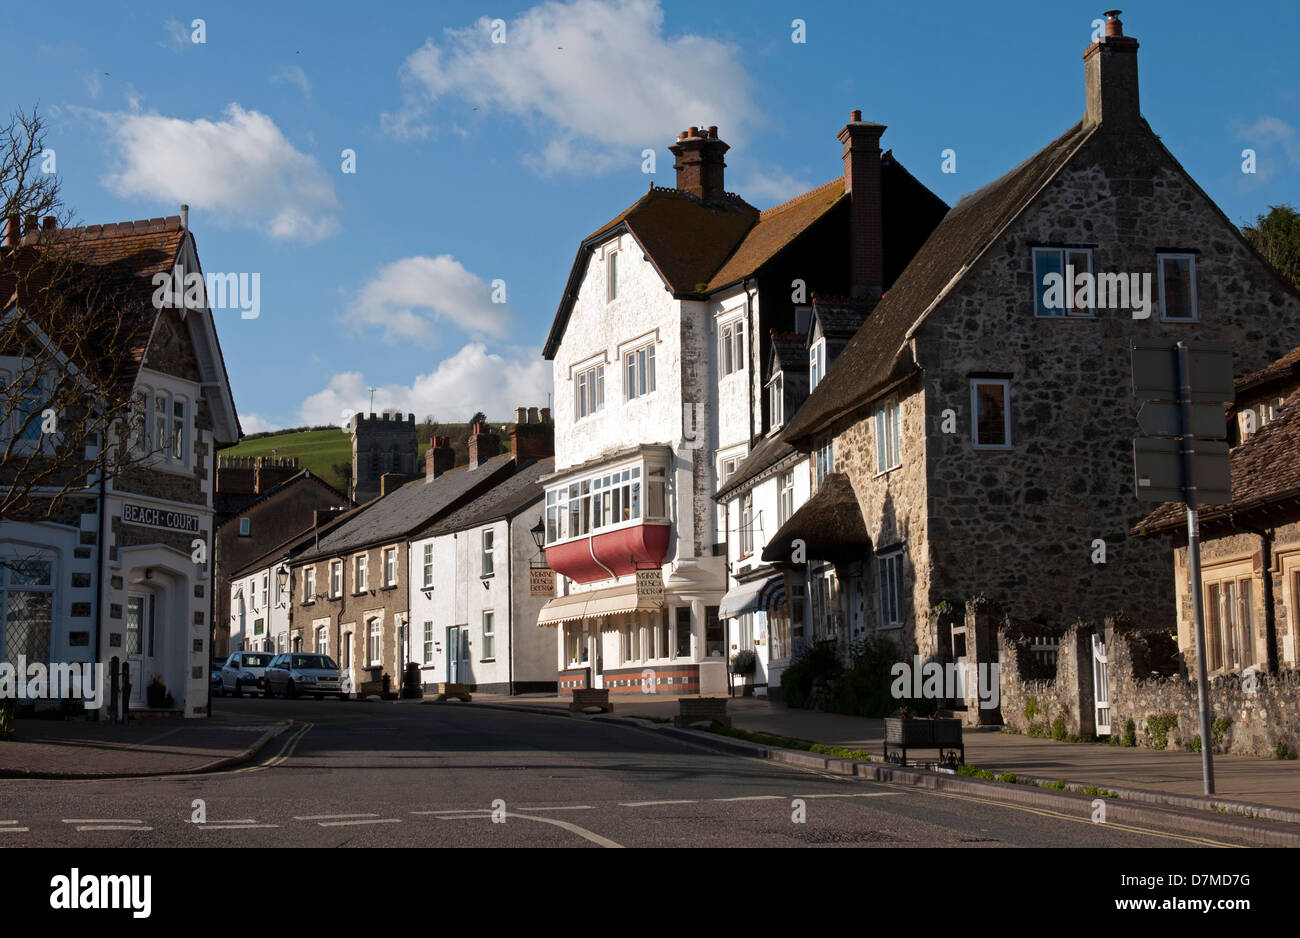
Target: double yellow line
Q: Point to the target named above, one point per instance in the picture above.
(286, 751)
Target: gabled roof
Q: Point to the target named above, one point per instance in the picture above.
(836, 318)
(777, 227)
(1283, 371)
(503, 500)
(1265, 472)
(769, 451)
(789, 350)
(410, 508)
(238, 504)
(878, 354)
(294, 542)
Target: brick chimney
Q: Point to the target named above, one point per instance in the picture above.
(483, 444)
(391, 482)
(861, 141)
(270, 471)
(529, 438)
(699, 163)
(439, 457)
(1110, 71)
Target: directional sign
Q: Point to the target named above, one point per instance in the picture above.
(1158, 470)
(1159, 418)
(1155, 372)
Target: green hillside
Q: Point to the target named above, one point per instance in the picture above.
(321, 450)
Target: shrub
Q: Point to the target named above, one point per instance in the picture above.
(1059, 785)
(1008, 777)
(1159, 726)
(1219, 730)
(1284, 751)
(1058, 728)
(1031, 708)
(744, 662)
(1130, 734)
(817, 663)
(1194, 745)
(1037, 730)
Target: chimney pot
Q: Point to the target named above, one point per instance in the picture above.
(13, 230)
(521, 415)
(185, 217)
(49, 223)
(693, 132)
(699, 162)
(533, 416)
(1111, 79)
(1113, 25)
(855, 117)
(545, 415)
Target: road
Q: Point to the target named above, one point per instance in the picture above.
(402, 774)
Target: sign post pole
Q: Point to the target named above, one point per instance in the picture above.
(1194, 561)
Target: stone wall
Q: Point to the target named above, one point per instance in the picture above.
(1033, 697)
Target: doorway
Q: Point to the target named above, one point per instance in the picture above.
(140, 644)
(453, 654)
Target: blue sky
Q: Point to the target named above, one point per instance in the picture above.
(479, 161)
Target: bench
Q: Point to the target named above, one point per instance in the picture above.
(585, 697)
(943, 734)
(691, 710)
(445, 691)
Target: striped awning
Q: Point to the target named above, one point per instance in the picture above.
(766, 594)
(596, 604)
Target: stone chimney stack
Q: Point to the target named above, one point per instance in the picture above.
(1110, 71)
(439, 457)
(390, 482)
(13, 231)
(699, 164)
(861, 141)
(483, 444)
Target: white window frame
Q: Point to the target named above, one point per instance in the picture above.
(784, 496)
(889, 436)
(816, 363)
(642, 478)
(611, 275)
(375, 642)
(824, 459)
(776, 402)
(1063, 254)
(1160, 276)
(975, 384)
(747, 524)
(322, 640)
(589, 391)
(889, 581)
(427, 561)
(309, 584)
(390, 566)
(488, 546)
(428, 641)
(639, 371)
(359, 564)
(245, 527)
(336, 579)
(731, 346)
(489, 635)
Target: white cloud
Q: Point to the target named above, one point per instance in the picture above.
(765, 189)
(242, 169)
(595, 79)
(93, 84)
(1269, 133)
(293, 75)
(178, 35)
(409, 297)
(252, 423)
(473, 379)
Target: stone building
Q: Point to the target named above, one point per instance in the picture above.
(658, 347)
(127, 577)
(983, 422)
(381, 444)
(260, 501)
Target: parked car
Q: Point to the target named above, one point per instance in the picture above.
(303, 673)
(244, 670)
(214, 675)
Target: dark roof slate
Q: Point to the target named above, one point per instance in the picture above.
(503, 500)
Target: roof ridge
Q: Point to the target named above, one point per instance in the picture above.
(140, 226)
(800, 198)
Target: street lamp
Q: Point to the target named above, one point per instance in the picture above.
(539, 535)
(282, 580)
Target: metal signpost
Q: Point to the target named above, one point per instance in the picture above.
(1184, 390)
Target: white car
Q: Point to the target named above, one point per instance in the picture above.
(245, 670)
(305, 673)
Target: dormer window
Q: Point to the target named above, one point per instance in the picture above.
(816, 363)
(776, 400)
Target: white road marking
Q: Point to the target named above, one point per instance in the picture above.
(247, 820)
(865, 794)
(382, 820)
(568, 807)
(101, 820)
(556, 822)
(113, 827)
(646, 804)
(234, 827)
(13, 830)
(752, 798)
(330, 817)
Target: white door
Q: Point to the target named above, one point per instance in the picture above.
(139, 644)
(1101, 685)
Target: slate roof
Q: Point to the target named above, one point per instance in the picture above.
(238, 504)
(121, 260)
(878, 354)
(769, 451)
(1265, 472)
(830, 524)
(837, 318)
(503, 500)
(292, 543)
(410, 508)
(1286, 368)
(789, 350)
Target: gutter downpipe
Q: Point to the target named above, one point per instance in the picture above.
(1266, 563)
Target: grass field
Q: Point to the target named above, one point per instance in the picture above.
(321, 450)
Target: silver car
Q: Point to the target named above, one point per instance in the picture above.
(305, 673)
(244, 670)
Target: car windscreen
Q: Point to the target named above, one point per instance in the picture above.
(323, 662)
(256, 661)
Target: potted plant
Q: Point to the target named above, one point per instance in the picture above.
(743, 664)
(156, 694)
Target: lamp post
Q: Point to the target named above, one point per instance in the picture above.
(539, 535)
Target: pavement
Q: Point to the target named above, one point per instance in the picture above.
(1241, 783)
(54, 749)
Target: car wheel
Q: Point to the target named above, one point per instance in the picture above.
(289, 691)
